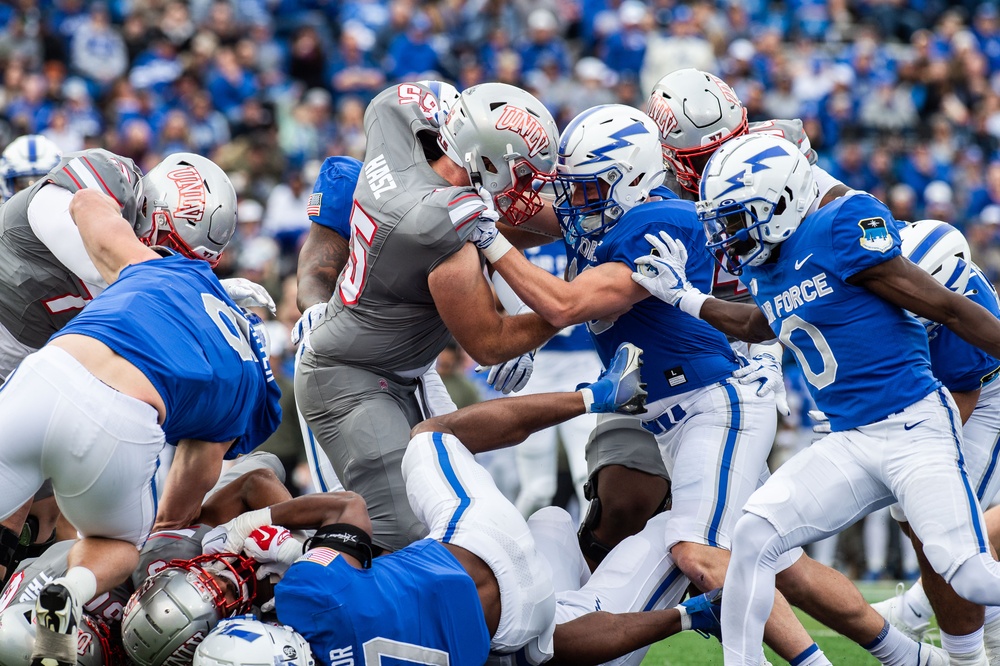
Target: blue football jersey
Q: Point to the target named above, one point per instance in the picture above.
(959, 365)
(172, 319)
(863, 358)
(681, 353)
(333, 194)
(414, 606)
(552, 258)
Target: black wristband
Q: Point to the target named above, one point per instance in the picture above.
(348, 539)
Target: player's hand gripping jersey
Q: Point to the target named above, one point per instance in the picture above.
(209, 366)
(39, 291)
(876, 352)
(406, 220)
(686, 353)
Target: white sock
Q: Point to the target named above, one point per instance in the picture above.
(965, 650)
(915, 608)
(81, 583)
(892, 648)
(992, 614)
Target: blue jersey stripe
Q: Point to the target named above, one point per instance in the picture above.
(989, 470)
(152, 487)
(662, 588)
(32, 150)
(973, 502)
(315, 456)
(725, 470)
(921, 250)
(449, 474)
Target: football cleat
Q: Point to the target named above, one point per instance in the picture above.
(890, 610)
(57, 618)
(931, 655)
(619, 388)
(705, 613)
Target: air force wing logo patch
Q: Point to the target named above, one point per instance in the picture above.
(875, 235)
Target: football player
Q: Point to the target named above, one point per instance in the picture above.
(830, 283)
(412, 280)
(26, 159)
(164, 355)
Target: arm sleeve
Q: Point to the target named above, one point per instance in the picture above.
(864, 234)
(48, 216)
(824, 180)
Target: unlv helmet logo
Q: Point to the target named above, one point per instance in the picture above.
(526, 125)
(190, 192)
(727, 92)
(662, 115)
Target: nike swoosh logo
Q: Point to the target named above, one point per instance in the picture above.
(907, 426)
(915, 613)
(802, 262)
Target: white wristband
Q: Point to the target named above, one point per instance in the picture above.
(685, 618)
(691, 302)
(499, 247)
(588, 399)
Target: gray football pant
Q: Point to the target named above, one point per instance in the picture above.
(362, 421)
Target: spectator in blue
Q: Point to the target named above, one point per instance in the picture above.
(411, 56)
(98, 51)
(851, 167)
(29, 109)
(543, 41)
(987, 195)
(986, 28)
(351, 70)
(918, 169)
(838, 110)
(66, 17)
(228, 83)
(208, 128)
(624, 50)
(157, 67)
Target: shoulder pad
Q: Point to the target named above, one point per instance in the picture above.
(788, 129)
(116, 176)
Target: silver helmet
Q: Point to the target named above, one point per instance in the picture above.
(173, 611)
(506, 140)
(189, 205)
(696, 112)
(96, 645)
(246, 641)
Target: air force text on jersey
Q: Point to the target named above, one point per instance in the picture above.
(787, 301)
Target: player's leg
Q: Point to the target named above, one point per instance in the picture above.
(457, 500)
(536, 470)
(628, 484)
(362, 421)
(876, 543)
(574, 435)
(792, 508)
(324, 479)
(555, 538)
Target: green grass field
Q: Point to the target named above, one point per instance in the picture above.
(690, 648)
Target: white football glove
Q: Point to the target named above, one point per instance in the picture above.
(486, 231)
(821, 424)
(273, 548)
(662, 274)
(510, 376)
(764, 369)
(229, 537)
(248, 294)
(306, 323)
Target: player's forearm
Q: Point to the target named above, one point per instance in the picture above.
(549, 296)
(740, 320)
(598, 637)
(194, 470)
(314, 511)
(506, 338)
(496, 424)
(321, 259)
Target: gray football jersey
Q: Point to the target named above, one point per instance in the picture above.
(38, 295)
(34, 574)
(406, 220)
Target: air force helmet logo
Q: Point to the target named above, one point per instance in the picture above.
(875, 235)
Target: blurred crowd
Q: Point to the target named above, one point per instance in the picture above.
(899, 97)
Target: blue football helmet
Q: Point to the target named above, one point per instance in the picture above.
(609, 160)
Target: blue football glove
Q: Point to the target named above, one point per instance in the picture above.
(703, 614)
(619, 388)
(510, 376)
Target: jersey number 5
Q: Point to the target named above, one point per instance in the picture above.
(363, 230)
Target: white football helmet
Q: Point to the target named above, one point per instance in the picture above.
(246, 641)
(174, 609)
(696, 113)
(447, 95)
(611, 146)
(26, 159)
(941, 250)
(189, 205)
(506, 140)
(754, 193)
(96, 645)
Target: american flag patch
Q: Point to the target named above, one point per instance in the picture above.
(312, 207)
(320, 556)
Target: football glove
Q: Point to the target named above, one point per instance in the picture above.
(486, 236)
(821, 424)
(306, 323)
(619, 388)
(764, 369)
(229, 537)
(248, 294)
(510, 376)
(273, 548)
(662, 274)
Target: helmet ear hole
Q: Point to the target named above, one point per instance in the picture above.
(782, 203)
(488, 163)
